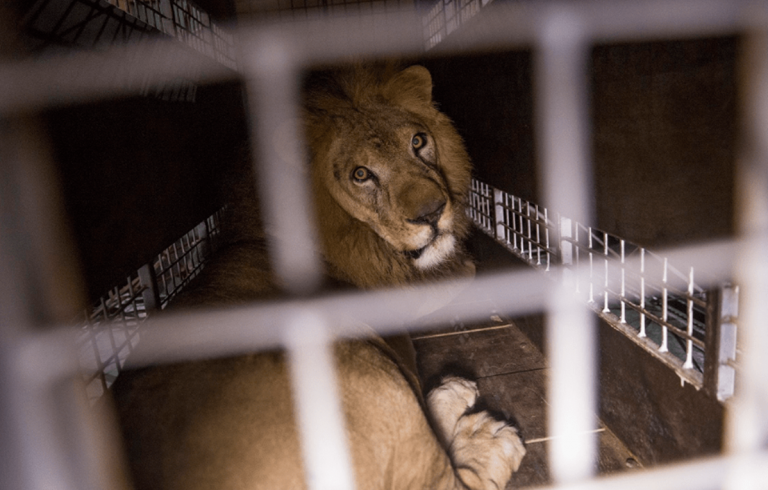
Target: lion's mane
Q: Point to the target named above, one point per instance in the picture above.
(354, 252)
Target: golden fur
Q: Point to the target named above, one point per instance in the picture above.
(371, 231)
(229, 423)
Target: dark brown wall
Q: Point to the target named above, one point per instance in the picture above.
(664, 139)
(138, 173)
(489, 99)
(645, 405)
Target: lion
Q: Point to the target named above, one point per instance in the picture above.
(390, 177)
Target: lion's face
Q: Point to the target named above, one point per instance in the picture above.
(386, 163)
(386, 174)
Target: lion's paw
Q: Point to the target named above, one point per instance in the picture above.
(486, 451)
(448, 402)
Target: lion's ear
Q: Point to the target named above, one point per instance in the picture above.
(414, 82)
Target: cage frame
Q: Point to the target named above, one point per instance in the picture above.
(561, 35)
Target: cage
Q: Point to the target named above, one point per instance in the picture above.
(618, 169)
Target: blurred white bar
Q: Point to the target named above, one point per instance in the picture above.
(212, 333)
(703, 474)
(747, 415)
(204, 334)
(327, 461)
(560, 82)
(87, 76)
(128, 69)
(274, 91)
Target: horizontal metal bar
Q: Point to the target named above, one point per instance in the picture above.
(702, 474)
(127, 69)
(677, 331)
(692, 376)
(211, 333)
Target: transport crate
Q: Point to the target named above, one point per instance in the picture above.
(634, 294)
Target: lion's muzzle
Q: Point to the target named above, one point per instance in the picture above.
(422, 202)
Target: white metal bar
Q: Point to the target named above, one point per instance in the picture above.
(729, 311)
(623, 318)
(591, 298)
(606, 309)
(688, 364)
(538, 235)
(546, 238)
(642, 333)
(501, 229)
(274, 94)
(325, 450)
(560, 81)
(664, 311)
(747, 416)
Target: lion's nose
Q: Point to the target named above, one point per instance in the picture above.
(422, 202)
(429, 212)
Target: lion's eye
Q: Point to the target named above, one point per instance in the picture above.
(419, 141)
(361, 174)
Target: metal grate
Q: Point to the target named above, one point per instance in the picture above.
(446, 16)
(110, 330)
(290, 10)
(633, 289)
(188, 23)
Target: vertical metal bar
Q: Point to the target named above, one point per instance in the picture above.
(530, 235)
(605, 285)
(576, 254)
(566, 247)
(747, 415)
(591, 267)
(538, 236)
(513, 219)
(664, 311)
(623, 318)
(546, 238)
(521, 229)
(274, 94)
(642, 293)
(498, 199)
(728, 312)
(327, 460)
(561, 78)
(688, 364)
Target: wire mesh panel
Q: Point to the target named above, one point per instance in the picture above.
(638, 292)
(446, 16)
(111, 329)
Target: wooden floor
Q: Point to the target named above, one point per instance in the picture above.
(511, 373)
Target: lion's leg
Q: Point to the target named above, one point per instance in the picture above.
(484, 451)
